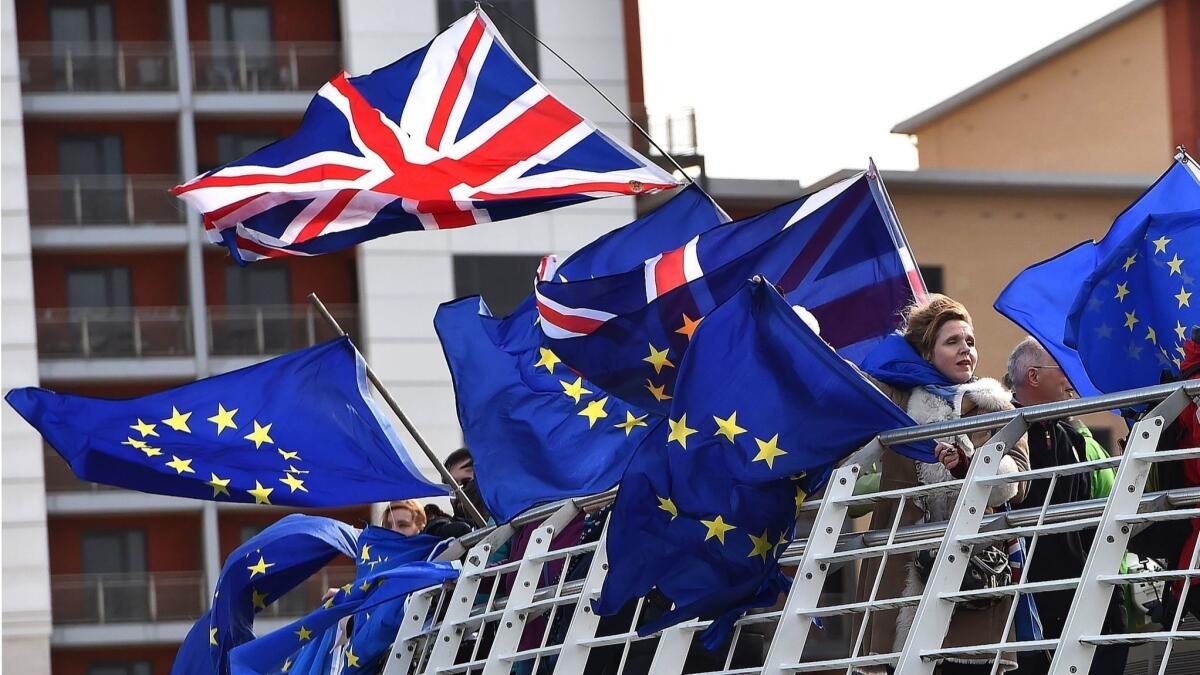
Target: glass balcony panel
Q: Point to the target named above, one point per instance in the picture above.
(264, 66)
(119, 332)
(97, 66)
(59, 477)
(103, 200)
(251, 330)
(125, 598)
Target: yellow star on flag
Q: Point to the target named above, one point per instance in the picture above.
(366, 552)
(631, 422)
(1176, 265)
(259, 600)
(293, 482)
(1122, 291)
(178, 421)
(717, 527)
(1131, 319)
(658, 392)
(574, 390)
(351, 659)
(181, 466)
(223, 419)
(152, 452)
(800, 497)
(1180, 330)
(212, 636)
(288, 456)
(260, 435)
(548, 361)
(594, 411)
(133, 442)
(219, 485)
(665, 504)
(689, 326)
(1129, 262)
(287, 664)
(292, 469)
(365, 586)
(728, 427)
(1160, 244)
(144, 429)
(783, 541)
(768, 451)
(261, 494)
(259, 567)
(679, 431)
(762, 546)
(658, 359)
(1182, 297)
(1151, 335)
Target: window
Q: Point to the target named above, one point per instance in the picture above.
(240, 37)
(82, 35)
(239, 23)
(248, 531)
(99, 287)
(91, 184)
(518, 40)
(232, 147)
(260, 284)
(123, 668)
(933, 275)
(257, 316)
(102, 298)
(503, 280)
(114, 561)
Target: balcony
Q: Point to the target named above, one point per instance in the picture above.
(97, 67)
(264, 67)
(128, 597)
(60, 479)
(262, 330)
(113, 332)
(80, 200)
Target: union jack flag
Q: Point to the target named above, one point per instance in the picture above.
(454, 134)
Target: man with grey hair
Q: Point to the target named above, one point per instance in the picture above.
(1035, 378)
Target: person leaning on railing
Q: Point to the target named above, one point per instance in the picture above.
(928, 369)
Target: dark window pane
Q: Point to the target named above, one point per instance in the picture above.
(257, 318)
(113, 551)
(503, 280)
(99, 287)
(261, 284)
(522, 44)
(92, 189)
(232, 147)
(933, 275)
(115, 562)
(126, 668)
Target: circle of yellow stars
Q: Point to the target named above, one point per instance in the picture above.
(1135, 325)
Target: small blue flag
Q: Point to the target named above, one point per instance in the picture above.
(763, 411)
(1135, 311)
(1040, 298)
(297, 430)
(835, 252)
(257, 573)
(539, 432)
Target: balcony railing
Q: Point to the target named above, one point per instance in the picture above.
(264, 66)
(114, 332)
(128, 597)
(103, 200)
(251, 330)
(97, 66)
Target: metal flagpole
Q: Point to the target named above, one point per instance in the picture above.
(589, 83)
(468, 505)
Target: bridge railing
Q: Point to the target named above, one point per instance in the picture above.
(531, 613)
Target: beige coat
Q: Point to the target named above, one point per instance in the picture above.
(888, 630)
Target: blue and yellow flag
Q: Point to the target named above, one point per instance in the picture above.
(763, 409)
(1135, 311)
(297, 430)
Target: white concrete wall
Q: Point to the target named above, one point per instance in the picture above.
(403, 278)
(26, 577)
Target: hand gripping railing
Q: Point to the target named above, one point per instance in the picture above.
(532, 614)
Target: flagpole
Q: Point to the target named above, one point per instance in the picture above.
(589, 83)
(468, 505)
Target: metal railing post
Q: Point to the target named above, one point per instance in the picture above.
(137, 332)
(84, 338)
(70, 68)
(933, 614)
(242, 74)
(794, 623)
(120, 66)
(310, 324)
(260, 330)
(584, 622)
(77, 200)
(404, 649)
(293, 66)
(1089, 607)
(100, 611)
(129, 206)
(152, 596)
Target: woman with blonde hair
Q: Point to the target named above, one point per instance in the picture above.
(928, 369)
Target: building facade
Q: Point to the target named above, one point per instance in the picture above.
(108, 290)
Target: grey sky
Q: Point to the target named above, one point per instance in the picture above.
(801, 89)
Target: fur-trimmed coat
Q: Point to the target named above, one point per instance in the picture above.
(889, 629)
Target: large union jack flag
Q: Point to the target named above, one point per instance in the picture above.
(454, 134)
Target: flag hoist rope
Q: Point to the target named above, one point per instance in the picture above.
(467, 504)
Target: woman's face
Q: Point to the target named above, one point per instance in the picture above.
(954, 351)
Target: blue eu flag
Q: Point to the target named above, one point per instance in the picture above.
(297, 430)
(1135, 311)
(257, 573)
(763, 410)
(834, 251)
(1040, 297)
(538, 431)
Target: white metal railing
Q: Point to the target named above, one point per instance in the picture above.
(97, 66)
(532, 614)
(105, 332)
(119, 199)
(127, 597)
(264, 66)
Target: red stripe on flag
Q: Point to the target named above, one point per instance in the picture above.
(310, 175)
(668, 272)
(265, 251)
(574, 188)
(568, 322)
(327, 214)
(920, 293)
(376, 135)
(211, 218)
(454, 83)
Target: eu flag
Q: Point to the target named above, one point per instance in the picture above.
(257, 573)
(297, 430)
(538, 431)
(835, 251)
(1041, 296)
(762, 412)
(1135, 311)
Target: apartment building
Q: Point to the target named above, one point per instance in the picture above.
(108, 290)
